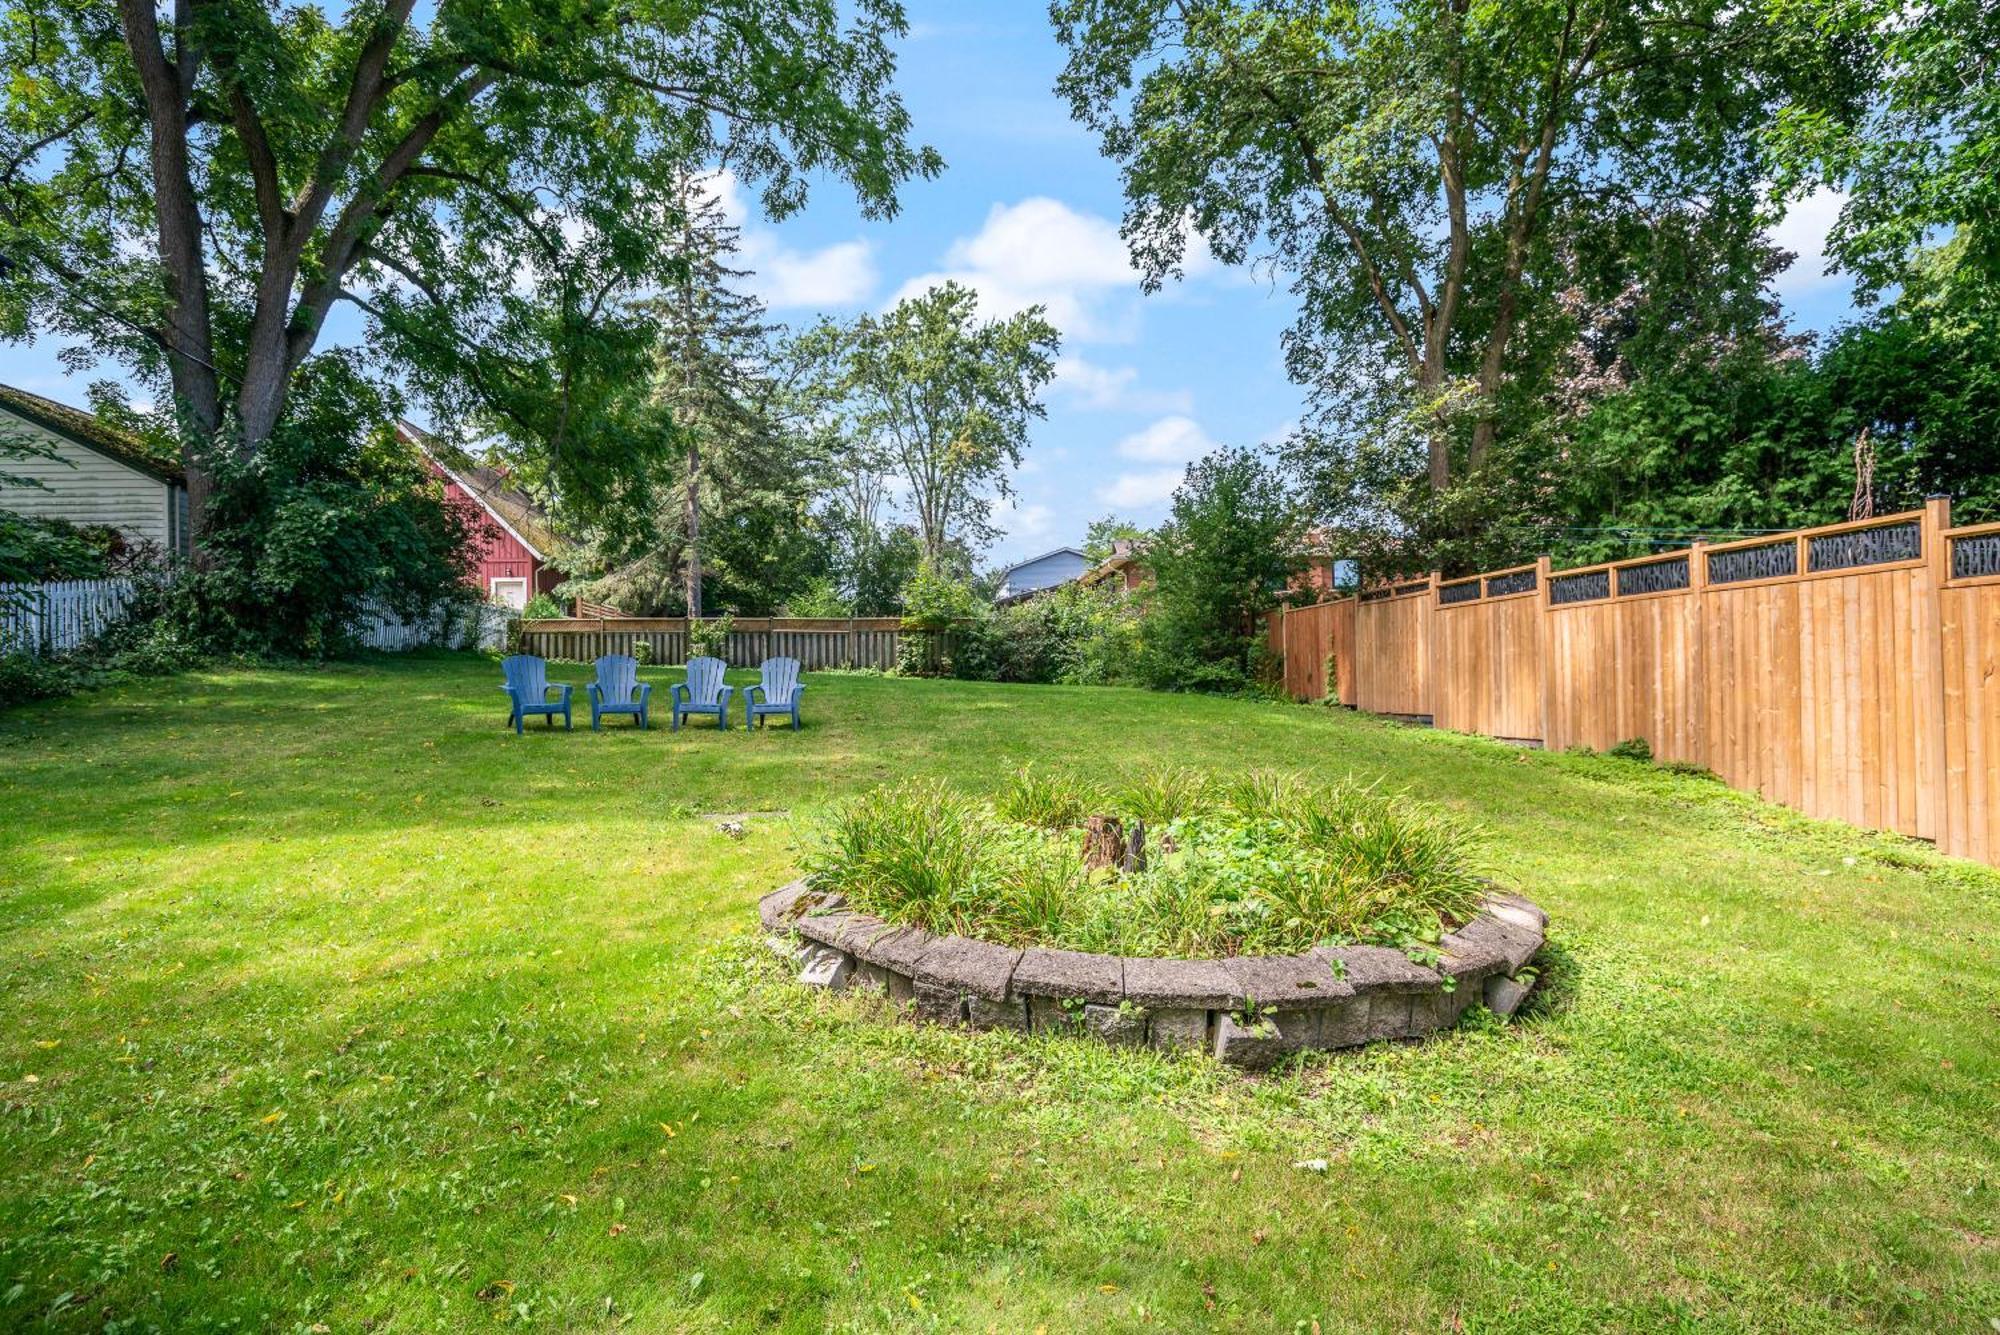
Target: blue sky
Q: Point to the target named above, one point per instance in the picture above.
(1028, 211)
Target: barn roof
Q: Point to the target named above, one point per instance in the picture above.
(92, 432)
(517, 512)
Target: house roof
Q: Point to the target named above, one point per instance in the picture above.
(514, 510)
(1106, 568)
(1059, 551)
(91, 432)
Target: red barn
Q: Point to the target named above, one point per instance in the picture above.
(513, 537)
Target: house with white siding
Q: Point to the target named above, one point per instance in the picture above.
(89, 473)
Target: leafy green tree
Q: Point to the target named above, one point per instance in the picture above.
(1228, 550)
(1102, 533)
(1651, 363)
(1413, 166)
(945, 399)
(726, 511)
(1922, 378)
(196, 192)
(820, 597)
(1905, 119)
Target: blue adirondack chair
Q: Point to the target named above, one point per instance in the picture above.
(618, 690)
(779, 685)
(527, 686)
(703, 692)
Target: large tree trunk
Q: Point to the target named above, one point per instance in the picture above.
(186, 336)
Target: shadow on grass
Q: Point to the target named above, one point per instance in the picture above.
(1558, 983)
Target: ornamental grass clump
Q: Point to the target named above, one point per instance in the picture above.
(1053, 800)
(1165, 793)
(1267, 864)
(911, 852)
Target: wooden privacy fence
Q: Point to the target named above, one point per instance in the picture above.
(1850, 671)
(817, 642)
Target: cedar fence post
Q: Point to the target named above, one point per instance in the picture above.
(1696, 673)
(1545, 628)
(1933, 750)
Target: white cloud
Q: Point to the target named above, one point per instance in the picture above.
(1115, 389)
(1042, 252)
(1139, 491)
(1174, 442)
(842, 274)
(1176, 439)
(1024, 520)
(1803, 231)
(838, 275)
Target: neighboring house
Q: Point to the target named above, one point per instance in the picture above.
(1320, 574)
(1046, 571)
(1122, 565)
(91, 474)
(512, 533)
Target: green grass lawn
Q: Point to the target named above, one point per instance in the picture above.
(331, 1004)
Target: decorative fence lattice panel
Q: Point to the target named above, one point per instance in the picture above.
(1584, 588)
(1657, 577)
(1466, 591)
(1975, 557)
(1773, 561)
(1864, 547)
(1519, 581)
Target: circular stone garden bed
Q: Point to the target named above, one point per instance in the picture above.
(1251, 919)
(1249, 1010)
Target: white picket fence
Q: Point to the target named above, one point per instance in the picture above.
(38, 619)
(477, 626)
(54, 618)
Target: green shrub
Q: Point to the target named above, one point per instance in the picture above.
(24, 677)
(917, 852)
(1633, 748)
(821, 597)
(708, 637)
(1263, 794)
(936, 600)
(1072, 635)
(543, 607)
(1219, 563)
(331, 515)
(35, 550)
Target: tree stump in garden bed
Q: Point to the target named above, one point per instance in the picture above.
(1103, 842)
